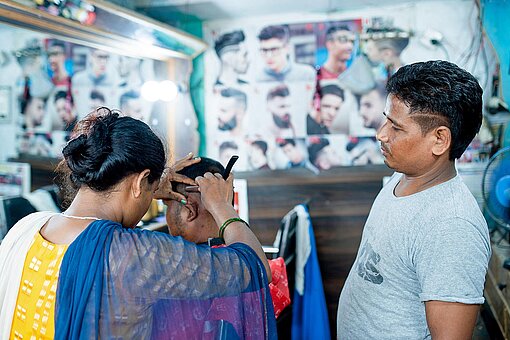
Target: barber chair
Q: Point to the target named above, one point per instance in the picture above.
(13, 209)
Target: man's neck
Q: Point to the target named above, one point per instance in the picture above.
(60, 74)
(412, 184)
(334, 66)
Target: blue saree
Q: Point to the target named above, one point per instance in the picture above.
(134, 284)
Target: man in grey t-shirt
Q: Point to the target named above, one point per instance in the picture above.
(421, 264)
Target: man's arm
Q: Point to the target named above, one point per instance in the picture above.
(451, 320)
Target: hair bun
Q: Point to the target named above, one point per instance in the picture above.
(74, 146)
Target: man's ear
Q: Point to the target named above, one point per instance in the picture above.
(192, 210)
(442, 140)
(139, 182)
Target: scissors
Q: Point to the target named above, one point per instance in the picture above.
(226, 173)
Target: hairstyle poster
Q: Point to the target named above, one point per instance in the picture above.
(313, 94)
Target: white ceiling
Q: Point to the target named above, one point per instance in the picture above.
(225, 9)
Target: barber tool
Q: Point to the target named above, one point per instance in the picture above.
(229, 166)
(226, 173)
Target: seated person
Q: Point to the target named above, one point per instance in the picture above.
(193, 222)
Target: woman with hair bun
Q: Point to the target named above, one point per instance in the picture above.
(87, 273)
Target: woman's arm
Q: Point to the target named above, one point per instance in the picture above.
(216, 195)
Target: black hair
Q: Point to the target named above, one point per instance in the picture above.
(228, 145)
(64, 95)
(446, 91)
(128, 96)
(239, 96)
(58, 43)
(284, 141)
(279, 91)
(262, 145)
(228, 39)
(23, 102)
(280, 32)
(316, 147)
(333, 29)
(333, 89)
(95, 94)
(111, 148)
(199, 169)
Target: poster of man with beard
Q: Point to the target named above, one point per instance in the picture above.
(232, 105)
(279, 106)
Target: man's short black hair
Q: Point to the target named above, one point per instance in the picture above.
(262, 145)
(57, 43)
(228, 39)
(335, 28)
(128, 96)
(200, 168)
(279, 91)
(284, 141)
(228, 145)
(95, 94)
(444, 90)
(280, 32)
(315, 147)
(239, 96)
(333, 89)
(63, 95)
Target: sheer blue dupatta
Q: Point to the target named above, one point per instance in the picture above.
(123, 283)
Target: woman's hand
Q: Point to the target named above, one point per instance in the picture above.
(215, 192)
(170, 175)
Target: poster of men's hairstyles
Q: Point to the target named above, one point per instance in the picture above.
(309, 95)
(56, 83)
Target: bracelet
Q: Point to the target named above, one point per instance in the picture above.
(227, 222)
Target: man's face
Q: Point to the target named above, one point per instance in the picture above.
(257, 157)
(133, 108)
(330, 105)
(178, 226)
(293, 153)
(371, 108)
(236, 57)
(127, 65)
(35, 111)
(275, 53)
(56, 58)
(328, 157)
(99, 61)
(372, 52)
(341, 44)
(404, 147)
(229, 112)
(64, 111)
(198, 230)
(279, 106)
(280, 110)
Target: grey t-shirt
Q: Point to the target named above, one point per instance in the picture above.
(432, 245)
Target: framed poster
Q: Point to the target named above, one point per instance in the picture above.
(14, 179)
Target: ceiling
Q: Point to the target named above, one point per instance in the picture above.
(225, 9)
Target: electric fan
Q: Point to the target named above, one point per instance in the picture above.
(496, 189)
